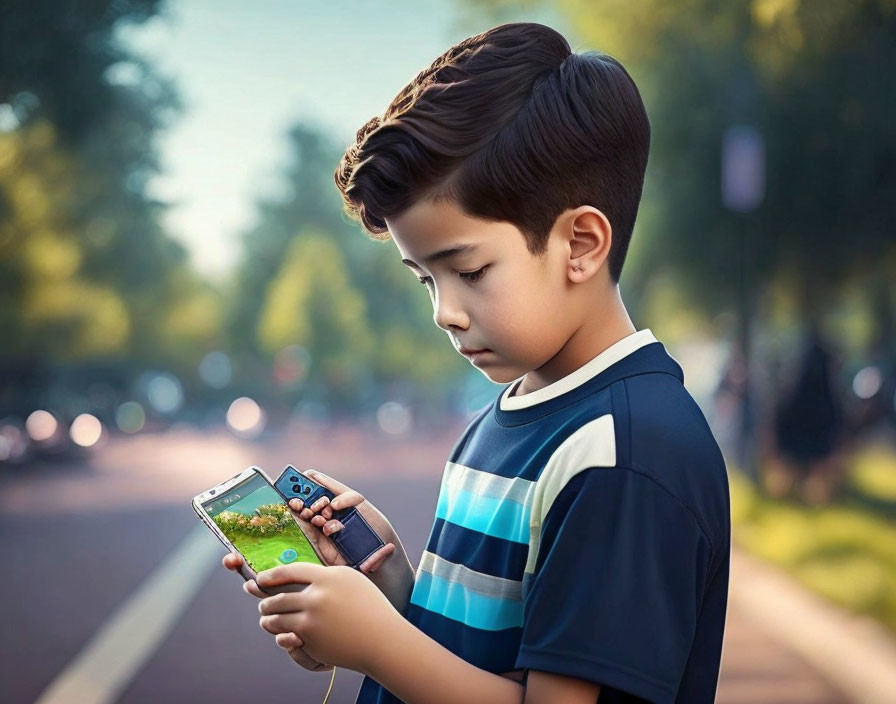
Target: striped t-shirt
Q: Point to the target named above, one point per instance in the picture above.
(583, 529)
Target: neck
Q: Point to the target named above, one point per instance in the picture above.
(592, 337)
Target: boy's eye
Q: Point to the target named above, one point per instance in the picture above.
(472, 275)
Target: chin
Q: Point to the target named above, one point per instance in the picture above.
(500, 376)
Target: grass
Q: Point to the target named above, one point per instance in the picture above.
(874, 473)
(843, 551)
(263, 552)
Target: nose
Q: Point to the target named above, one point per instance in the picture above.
(448, 315)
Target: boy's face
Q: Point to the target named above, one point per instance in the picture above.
(492, 294)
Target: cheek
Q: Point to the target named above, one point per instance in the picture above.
(514, 320)
(533, 320)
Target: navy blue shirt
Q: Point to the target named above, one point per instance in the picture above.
(583, 529)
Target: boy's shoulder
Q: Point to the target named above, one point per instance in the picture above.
(646, 424)
(659, 423)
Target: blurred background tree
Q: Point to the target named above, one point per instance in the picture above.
(87, 270)
(309, 277)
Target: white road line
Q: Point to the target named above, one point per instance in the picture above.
(130, 636)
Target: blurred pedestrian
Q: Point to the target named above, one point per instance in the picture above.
(809, 425)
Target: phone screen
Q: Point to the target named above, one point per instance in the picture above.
(260, 525)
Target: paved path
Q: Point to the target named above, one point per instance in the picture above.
(757, 669)
(88, 562)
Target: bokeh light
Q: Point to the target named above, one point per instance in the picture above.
(41, 425)
(13, 443)
(86, 430)
(291, 366)
(867, 382)
(216, 370)
(245, 417)
(165, 393)
(393, 418)
(130, 417)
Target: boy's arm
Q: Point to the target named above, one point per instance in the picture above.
(548, 687)
(418, 670)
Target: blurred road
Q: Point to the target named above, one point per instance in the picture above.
(112, 584)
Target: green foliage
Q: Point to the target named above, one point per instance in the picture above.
(86, 269)
(48, 303)
(874, 473)
(311, 302)
(310, 277)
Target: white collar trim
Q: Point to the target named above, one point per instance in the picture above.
(611, 355)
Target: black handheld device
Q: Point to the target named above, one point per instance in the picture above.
(357, 540)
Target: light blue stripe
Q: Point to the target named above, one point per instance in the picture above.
(458, 603)
(485, 514)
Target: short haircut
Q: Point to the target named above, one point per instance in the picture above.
(509, 125)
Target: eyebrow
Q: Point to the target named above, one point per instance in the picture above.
(450, 252)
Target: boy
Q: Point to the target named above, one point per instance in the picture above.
(580, 548)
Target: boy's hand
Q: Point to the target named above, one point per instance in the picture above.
(292, 645)
(320, 514)
(340, 618)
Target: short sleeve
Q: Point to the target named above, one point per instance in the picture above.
(617, 587)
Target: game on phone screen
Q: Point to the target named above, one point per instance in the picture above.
(260, 525)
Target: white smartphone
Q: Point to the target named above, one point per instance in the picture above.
(250, 517)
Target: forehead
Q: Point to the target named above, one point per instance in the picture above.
(428, 227)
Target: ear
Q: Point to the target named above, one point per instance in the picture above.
(590, 237)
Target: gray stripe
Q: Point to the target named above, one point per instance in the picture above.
(479, 483)
(486, 584)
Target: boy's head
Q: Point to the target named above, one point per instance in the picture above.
(531, 153)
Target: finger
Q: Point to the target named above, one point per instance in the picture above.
(346, 500)
(274, 624)
(375, 561)
(327, 511)
(306, 661)
(288, 641)
(319, 504)
(232, 561)
(331, 527)
(333, 485)
(283, 603)
(318, 521)
(250, 587)
(296, 504)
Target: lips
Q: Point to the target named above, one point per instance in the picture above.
(469, 351)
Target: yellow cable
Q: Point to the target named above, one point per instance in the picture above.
(332, 677)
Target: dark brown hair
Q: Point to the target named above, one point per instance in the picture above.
(509, 125)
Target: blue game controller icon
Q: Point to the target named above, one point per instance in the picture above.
(288, 555)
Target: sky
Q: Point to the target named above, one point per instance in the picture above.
(247, 72)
